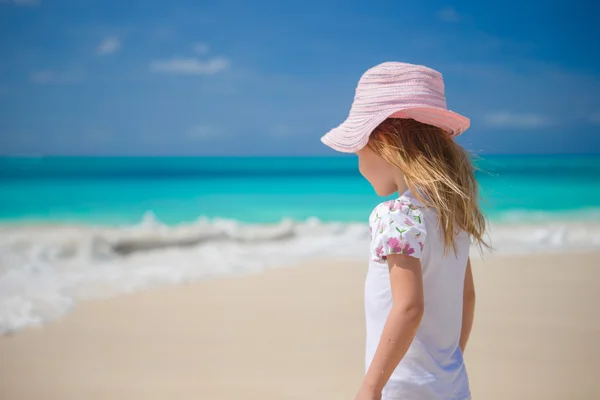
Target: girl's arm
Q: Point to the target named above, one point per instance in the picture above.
(468, 307)
(401, 326)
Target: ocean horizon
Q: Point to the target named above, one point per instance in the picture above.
(121, 190)
(74, 228)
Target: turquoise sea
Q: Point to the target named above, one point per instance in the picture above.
(107, 190)
(80, 228)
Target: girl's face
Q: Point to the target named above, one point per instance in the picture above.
(383, 176)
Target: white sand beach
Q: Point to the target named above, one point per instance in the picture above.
(297, 333)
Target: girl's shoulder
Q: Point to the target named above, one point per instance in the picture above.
(403, 206)
(397, 227)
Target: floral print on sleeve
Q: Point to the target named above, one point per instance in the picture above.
(396, 227)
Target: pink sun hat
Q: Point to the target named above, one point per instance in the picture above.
(394, 90)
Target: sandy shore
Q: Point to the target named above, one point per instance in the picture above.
(297, 333)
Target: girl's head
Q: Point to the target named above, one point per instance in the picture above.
(401, 129)
(406, 154)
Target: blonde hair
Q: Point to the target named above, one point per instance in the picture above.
(438, 171)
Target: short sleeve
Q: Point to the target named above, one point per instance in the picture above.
(397, 227)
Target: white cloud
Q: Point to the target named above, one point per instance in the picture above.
(24, 3)
(48, 77)
(506, 119)
(203, 132)
(448, 14)
(200, 48)
(109, 45)
(190, 66)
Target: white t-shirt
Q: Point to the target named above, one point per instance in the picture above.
(433, 367)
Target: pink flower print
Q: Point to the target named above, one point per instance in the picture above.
(408, 222)
(385, 204)
(407, 249)
(421, 245)
(395, 246)
(394, 205)
(380, 226)
(379, 252)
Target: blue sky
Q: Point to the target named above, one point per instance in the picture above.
(270, 77)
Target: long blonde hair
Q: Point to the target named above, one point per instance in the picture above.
(438, 171)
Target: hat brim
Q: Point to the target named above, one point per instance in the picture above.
(353, 134)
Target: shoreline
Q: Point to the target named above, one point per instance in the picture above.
(297, 333)
(62, 301)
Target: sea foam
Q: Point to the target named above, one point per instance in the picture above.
(46, 269)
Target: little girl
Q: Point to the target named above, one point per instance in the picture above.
(419, 294)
